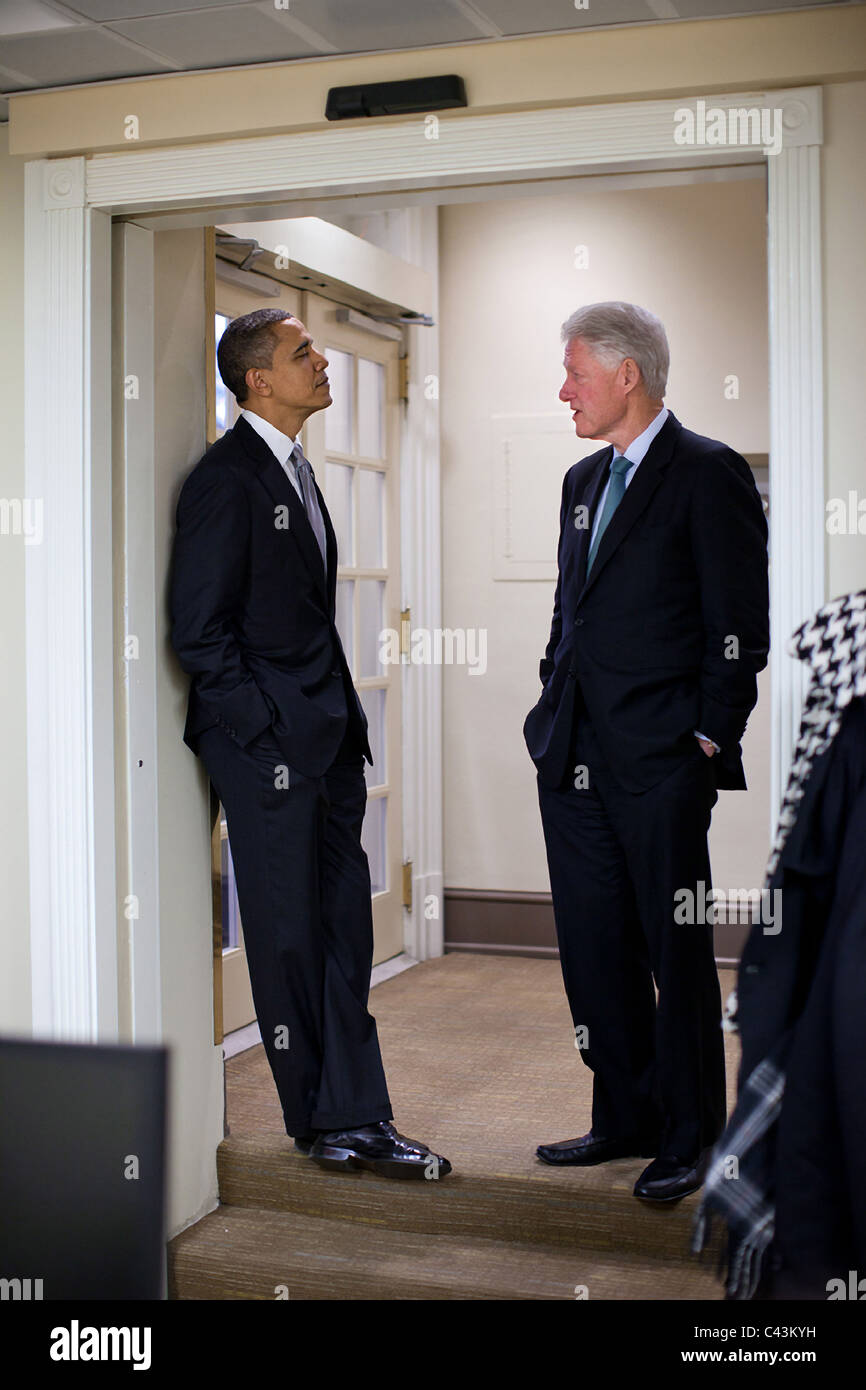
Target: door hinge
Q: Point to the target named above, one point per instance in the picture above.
(405, 632)
(407, 884)
(403, 386)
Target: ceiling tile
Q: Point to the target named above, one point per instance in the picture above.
(235, 35)
(30, 17)
(109, 11)
(357, 26)
(78, 55)
(545, 16)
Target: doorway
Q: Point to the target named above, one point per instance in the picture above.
(152, 970)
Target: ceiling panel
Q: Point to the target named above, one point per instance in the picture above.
(355, 26)
(30, 17)
(76, 55)
(111, 10)
(540, 16)
(236, 35)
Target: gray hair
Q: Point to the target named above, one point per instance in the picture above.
(615, 330)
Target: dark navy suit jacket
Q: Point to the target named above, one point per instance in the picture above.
(667, 634)
(252, 612)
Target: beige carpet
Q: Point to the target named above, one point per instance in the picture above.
(481, 1065)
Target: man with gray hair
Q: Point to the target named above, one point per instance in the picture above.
(660, 625)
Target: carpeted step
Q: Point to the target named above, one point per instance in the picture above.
(244, 1253)
(591, 1207)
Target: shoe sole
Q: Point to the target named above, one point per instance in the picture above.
(341, 1159)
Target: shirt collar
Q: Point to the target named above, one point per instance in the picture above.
(279, 444)
(638, 447)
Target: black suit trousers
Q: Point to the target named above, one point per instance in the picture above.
(303, 885)
(616, 860)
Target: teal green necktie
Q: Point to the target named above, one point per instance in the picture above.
(615, 493)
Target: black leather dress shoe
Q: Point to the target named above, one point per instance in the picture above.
(305, 1142)
(670, 1179)
(591, 1148)
(381, 1149)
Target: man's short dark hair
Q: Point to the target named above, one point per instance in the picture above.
(249, 341)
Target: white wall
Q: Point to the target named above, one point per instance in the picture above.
(844, 189)
(15, 1010)
(694, 254)
(186, 915)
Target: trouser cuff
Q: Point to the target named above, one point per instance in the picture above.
(347, 1119)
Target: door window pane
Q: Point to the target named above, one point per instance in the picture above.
(371, 514)
(371, 397)
(338, 415)
(374, 840)
(338, 495)
(345, 618)
(374, 708)
(224, 398)
(230, 905)
(372, 599)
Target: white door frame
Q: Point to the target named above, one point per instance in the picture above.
(76, 899)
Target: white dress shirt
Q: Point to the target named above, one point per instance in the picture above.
(635, 453)
(279, 444)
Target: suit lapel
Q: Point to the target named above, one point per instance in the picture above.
(275, 481)
(638, 493)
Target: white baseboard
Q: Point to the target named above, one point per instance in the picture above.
(389, 968)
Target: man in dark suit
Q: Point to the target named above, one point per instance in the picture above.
(660, 624)
(276, 721)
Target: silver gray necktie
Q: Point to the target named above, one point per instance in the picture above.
(311, 501)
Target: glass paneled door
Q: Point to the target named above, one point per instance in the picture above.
(353, 448)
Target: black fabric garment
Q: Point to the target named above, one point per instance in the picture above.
(639, 658)
(304, 891)
(810, 980)
(680, 571)
(271, 696)
(786, 1176)
(253, 614)
(616, 859)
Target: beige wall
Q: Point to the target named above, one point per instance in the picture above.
(696, 256)
(15, 1010)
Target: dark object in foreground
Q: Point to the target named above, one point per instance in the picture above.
(82, 1169)
(788, 1176)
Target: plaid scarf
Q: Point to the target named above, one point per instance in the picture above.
(740, 1185)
